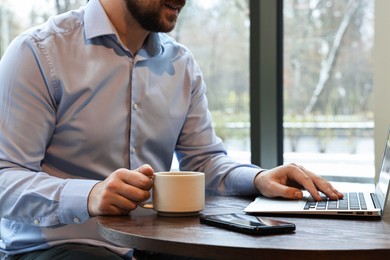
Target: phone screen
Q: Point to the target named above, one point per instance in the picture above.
(247, 223)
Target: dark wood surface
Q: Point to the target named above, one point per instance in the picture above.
(314, 238)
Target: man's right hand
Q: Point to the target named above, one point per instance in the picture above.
(121, 192)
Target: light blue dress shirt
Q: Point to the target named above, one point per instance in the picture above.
(75, 105)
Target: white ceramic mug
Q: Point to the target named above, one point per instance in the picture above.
(177, 193)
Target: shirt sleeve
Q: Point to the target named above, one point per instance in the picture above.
(27, 121)
(200, 149)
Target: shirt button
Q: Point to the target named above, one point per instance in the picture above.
(36, 222)
(132, 150)
(76, 220)
(135, 107)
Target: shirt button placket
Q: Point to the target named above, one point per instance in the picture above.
(132, 148)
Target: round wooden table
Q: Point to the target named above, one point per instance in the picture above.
(314, 238)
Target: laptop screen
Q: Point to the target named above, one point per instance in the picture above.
(382, 187)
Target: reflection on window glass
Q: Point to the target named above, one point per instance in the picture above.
(328, 81)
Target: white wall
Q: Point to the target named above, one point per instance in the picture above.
(381, 76)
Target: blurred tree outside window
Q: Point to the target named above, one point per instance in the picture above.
(328, 81)
(17, 16)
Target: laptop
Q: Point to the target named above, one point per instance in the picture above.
(354, 203)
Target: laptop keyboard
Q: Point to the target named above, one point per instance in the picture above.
(351, 200)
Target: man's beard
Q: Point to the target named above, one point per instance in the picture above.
(149, 19)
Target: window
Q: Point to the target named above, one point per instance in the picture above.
(328, 86)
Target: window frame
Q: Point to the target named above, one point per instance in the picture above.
(266, 82)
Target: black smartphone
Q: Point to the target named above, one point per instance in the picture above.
(248, 224)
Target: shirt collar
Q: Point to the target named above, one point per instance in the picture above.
(98, 24)
(96, 21)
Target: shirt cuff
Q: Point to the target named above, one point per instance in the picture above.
(246, 179)
(74, 201)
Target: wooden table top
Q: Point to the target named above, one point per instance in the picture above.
(314, 238)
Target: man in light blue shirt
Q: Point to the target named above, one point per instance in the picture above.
(91, 94)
